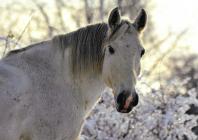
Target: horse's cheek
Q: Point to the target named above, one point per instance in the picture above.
(107, 80)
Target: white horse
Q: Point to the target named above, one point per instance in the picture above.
(48, 88)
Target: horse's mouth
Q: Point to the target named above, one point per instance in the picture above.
(125, 110)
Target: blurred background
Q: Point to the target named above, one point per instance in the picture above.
(168, 85)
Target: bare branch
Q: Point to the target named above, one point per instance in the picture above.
(88, 12)
(173, 46)
(8, 41)
(158, 44)
(2, 38)
(101, 10)
(6, 46)
(26, 26)
(59, 5)
(45, 16)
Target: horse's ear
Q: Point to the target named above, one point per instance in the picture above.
(114, 18)
(140, 21)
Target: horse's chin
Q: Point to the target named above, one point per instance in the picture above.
(125, 110)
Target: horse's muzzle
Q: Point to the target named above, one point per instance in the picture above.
(125, 101)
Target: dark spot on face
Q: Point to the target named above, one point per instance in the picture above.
(111, 50)
(142, 52)
(127, 46)
(16, 99)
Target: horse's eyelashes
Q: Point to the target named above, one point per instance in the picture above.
(111, 50)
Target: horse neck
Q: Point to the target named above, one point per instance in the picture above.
(91, 88)
(87, 88)
(83, 71)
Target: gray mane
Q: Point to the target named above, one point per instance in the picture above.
(85, 46)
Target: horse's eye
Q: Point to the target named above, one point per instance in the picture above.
(142, 52)
(111, 50)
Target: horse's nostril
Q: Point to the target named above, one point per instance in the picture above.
(121, 98)
(135, 100)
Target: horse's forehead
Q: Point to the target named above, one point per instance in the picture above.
(129, 43)
(118, 33)
(129, 34)
(130, 37)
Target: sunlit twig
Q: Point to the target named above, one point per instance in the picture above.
(174, 45)
(26, 26)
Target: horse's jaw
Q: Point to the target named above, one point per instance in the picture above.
(90, 90)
